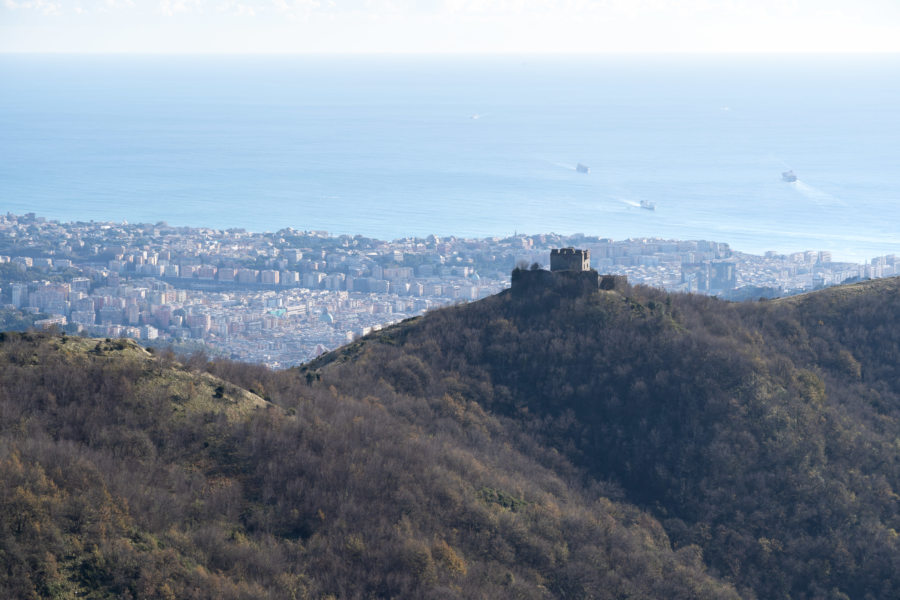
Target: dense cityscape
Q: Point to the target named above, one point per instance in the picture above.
(282, 298)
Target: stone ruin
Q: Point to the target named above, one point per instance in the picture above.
(570, 273)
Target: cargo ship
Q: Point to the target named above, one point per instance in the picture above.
(648, 205)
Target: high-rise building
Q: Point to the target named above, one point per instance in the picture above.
(19, 294)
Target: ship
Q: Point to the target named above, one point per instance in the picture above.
(648, 205)
(788, 176)
(582, 168)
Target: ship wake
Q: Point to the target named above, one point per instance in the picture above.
(816, 195)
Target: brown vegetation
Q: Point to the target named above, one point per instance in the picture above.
(616, 445)
(129, 476)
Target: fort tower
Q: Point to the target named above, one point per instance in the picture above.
(570, 259)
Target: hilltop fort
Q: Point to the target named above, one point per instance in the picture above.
(570, 273)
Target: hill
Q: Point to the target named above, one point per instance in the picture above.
(129, 475)
(630, 444)
(764, 433)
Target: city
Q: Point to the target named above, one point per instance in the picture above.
(283, 298)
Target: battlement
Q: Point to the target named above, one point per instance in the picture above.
(570, 259)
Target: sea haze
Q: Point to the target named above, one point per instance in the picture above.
(391, 147)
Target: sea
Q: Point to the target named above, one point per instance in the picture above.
(471, 146)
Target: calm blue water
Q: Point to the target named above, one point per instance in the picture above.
(387, 147)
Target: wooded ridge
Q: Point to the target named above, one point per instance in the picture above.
(632, 444)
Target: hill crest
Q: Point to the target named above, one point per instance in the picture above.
(626, 443)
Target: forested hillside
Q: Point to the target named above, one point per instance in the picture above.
(765, 433)
(617, 445)
(127, 475)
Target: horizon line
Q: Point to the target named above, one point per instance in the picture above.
(462, 53)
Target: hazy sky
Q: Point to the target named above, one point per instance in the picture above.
(453, 26)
